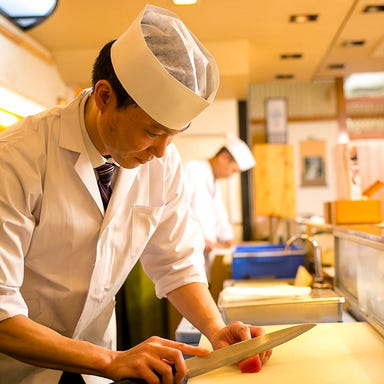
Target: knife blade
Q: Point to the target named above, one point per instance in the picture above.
(235, 352)
(243, 350)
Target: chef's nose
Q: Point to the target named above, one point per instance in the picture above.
(158, 149)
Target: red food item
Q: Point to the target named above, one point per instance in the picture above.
(251, 365)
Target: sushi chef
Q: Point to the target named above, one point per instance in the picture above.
(70, 234)
(204, 192)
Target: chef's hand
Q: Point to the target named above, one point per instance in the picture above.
(236, 332)
(155, 360)
(209, 246)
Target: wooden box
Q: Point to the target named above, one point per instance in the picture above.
(352, 212)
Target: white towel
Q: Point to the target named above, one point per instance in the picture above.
(231, 294)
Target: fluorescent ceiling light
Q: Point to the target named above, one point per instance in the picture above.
(184, 2)
(7, 119)
(17, 104)
(365, 84)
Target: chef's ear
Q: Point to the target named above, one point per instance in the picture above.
(103, 94)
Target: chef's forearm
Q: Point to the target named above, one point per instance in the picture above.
(196, 304)
(32, 343)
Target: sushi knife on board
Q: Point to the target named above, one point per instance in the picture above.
(236, 352)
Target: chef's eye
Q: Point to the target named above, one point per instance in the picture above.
(151, 134)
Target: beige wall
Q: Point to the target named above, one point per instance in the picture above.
(28, 68)
(310, 199)
(203, 138)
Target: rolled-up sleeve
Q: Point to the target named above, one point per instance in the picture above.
(16, 226)
(174, 255)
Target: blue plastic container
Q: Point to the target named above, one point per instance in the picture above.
(266, 261)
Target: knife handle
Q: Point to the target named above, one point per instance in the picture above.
(130, 381)
(140, 381)
(136, 381)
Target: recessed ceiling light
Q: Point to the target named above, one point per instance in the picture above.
(287, 56)
(303, 18)
(26, 14)
(336, 66)
(374, 8)
(284, 76)
(184, 2)
(353, 43)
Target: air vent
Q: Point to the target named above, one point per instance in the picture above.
(303, 18)
(336, 66)
(376, 8)
(353, 43)
(284, 76)
(291, 56)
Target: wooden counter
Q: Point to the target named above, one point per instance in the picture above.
(330, 353)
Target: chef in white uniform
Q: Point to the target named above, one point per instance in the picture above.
(63, 257)
(205, 194)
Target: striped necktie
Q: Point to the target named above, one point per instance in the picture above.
(105, 173)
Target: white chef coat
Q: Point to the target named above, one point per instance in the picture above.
(61, 260)
(206, 201)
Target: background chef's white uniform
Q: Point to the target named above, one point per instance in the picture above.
(61, 260)
(206, 201)
(205, 195)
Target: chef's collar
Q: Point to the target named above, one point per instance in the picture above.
(94, 155)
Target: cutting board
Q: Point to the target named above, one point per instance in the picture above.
(330, 353)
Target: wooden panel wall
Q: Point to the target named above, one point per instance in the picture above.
(273, 181)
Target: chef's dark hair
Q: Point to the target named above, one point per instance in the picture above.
(225, 150)
(103, 70)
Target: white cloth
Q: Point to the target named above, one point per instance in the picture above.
(61, 260)
(206, 201)
(242, 294)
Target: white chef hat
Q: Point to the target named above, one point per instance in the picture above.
(240, 152)
(164, 68)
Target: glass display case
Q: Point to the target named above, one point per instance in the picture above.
(359, 272)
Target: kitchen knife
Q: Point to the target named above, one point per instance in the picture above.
(243, 350)
(236, 352)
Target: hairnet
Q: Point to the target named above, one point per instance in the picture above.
(164, 68)
(177, 50)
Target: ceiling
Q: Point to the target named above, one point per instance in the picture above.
(247, 37)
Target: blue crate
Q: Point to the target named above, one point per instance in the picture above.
(266, 261)
(187, 333)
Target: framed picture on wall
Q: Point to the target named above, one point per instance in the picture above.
(312, 153)
(276, 120)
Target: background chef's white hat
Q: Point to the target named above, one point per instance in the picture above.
(240, 152)
(164, 68)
